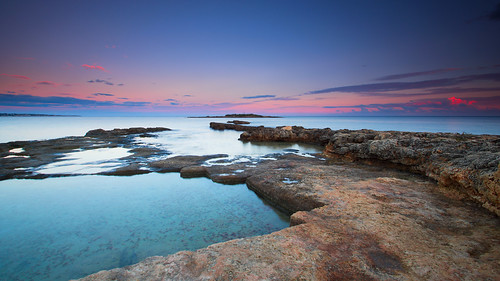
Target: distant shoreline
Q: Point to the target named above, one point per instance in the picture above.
(34, 115)
(250, 115)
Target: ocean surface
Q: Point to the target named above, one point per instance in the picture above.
(34, 128)
(69, 227)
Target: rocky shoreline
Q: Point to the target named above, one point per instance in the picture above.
(467, 164)
(368, 208)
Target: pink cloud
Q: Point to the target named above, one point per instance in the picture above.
(47, 83)
(94, 67)
(16, 76)
(457, 101)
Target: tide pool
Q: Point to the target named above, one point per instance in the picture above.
(63, 228)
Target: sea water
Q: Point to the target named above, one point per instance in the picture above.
(197, 130)
(62, 228)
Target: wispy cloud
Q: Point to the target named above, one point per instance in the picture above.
(15, 76)
(86, 66)
(58, 101)
(101, 81)
(103, 94)
(134, 103)
(46, 83)
(401, 86)
(447, 106)
(259, 97)
(285, 98)
(414, 74)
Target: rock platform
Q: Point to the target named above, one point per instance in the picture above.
(348, 222)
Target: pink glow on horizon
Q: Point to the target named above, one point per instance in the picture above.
(457, 101)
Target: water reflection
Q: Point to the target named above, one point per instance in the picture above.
(87, 162)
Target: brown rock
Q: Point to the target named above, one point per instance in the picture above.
(374, 224)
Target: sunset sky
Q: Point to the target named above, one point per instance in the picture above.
(176, 58)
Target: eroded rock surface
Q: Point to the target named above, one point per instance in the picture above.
(123, 132)
(34, 154)
(350, 223)
(469, 164)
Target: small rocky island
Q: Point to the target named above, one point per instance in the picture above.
(241, 115)
(373, 206)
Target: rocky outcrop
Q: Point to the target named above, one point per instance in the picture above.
(238, 122)
(468, 164)
(175, 164)
(38, 153)
(99, 133)
(244, 115)
(349, 222)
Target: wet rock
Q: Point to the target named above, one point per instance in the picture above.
(99, 133)
(176, 163)
(38, 153)
(194, 172)
(468, 164)
(129, 170)
(369, 223)
(239, 122)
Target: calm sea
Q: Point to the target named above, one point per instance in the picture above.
(33, 128)
(69, 227)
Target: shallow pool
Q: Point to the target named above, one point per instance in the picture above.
(63, 228)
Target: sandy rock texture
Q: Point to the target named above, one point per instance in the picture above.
(467, 164)
(349, 222)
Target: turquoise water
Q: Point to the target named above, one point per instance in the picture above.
(62, 228)
(193, 129)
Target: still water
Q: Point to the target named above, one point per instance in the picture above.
(197, 130)
(62, 228)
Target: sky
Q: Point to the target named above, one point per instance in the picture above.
(288, 58)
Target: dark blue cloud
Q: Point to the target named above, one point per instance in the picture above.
(259, 97)
(401, 86)
(134, 103)
(35, 101)
(439, 106)
(413, 74)
(103, 94)
(101, 81)
(174, 100)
